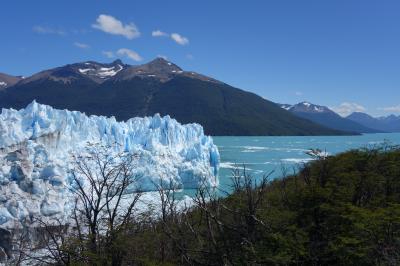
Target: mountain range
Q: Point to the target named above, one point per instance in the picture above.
(324, 116)
(389, 123)
(126, 91)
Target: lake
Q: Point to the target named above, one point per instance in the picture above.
(262, 155)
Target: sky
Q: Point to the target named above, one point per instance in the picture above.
(344, 54)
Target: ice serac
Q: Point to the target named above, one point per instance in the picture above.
(36, 144)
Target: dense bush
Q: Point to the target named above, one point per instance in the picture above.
(338, 210)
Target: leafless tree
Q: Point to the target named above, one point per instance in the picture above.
(202, 234)
(106, 192)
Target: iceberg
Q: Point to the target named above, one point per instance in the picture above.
(36, 144)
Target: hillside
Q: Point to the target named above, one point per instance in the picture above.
(159, 86)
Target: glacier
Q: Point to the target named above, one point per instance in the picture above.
(36, 144)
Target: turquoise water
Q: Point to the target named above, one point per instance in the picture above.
(262, 155)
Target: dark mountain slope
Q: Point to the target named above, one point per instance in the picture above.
(227, 110)
(158, 87)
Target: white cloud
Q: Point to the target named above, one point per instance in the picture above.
(81, 45)
(179, 39)
(346, 108)
(394, 109)
(48, 30)
(109, 54)
(189, 56)
(298, 93)
(111, 25)
(158, 33)
(130, 54)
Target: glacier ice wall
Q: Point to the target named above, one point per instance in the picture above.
(36, 144)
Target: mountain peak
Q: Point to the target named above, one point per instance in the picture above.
(162, 64)
(356, 115)
(117, 62)
(158, 68)
(308, 108)
(159, 59)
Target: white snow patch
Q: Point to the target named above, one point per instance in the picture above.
(103, 72)
(318, 109)
(84, 71)
(286, 107)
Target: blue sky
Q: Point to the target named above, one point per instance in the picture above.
(342, 54)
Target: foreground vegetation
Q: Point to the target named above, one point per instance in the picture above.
(338, 210)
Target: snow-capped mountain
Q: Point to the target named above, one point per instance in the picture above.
(36, 144)
(8, 80)
(326, 117)
(78, 72)
(306, 107)
(389, 123)
(159, 69)
(159, 86)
